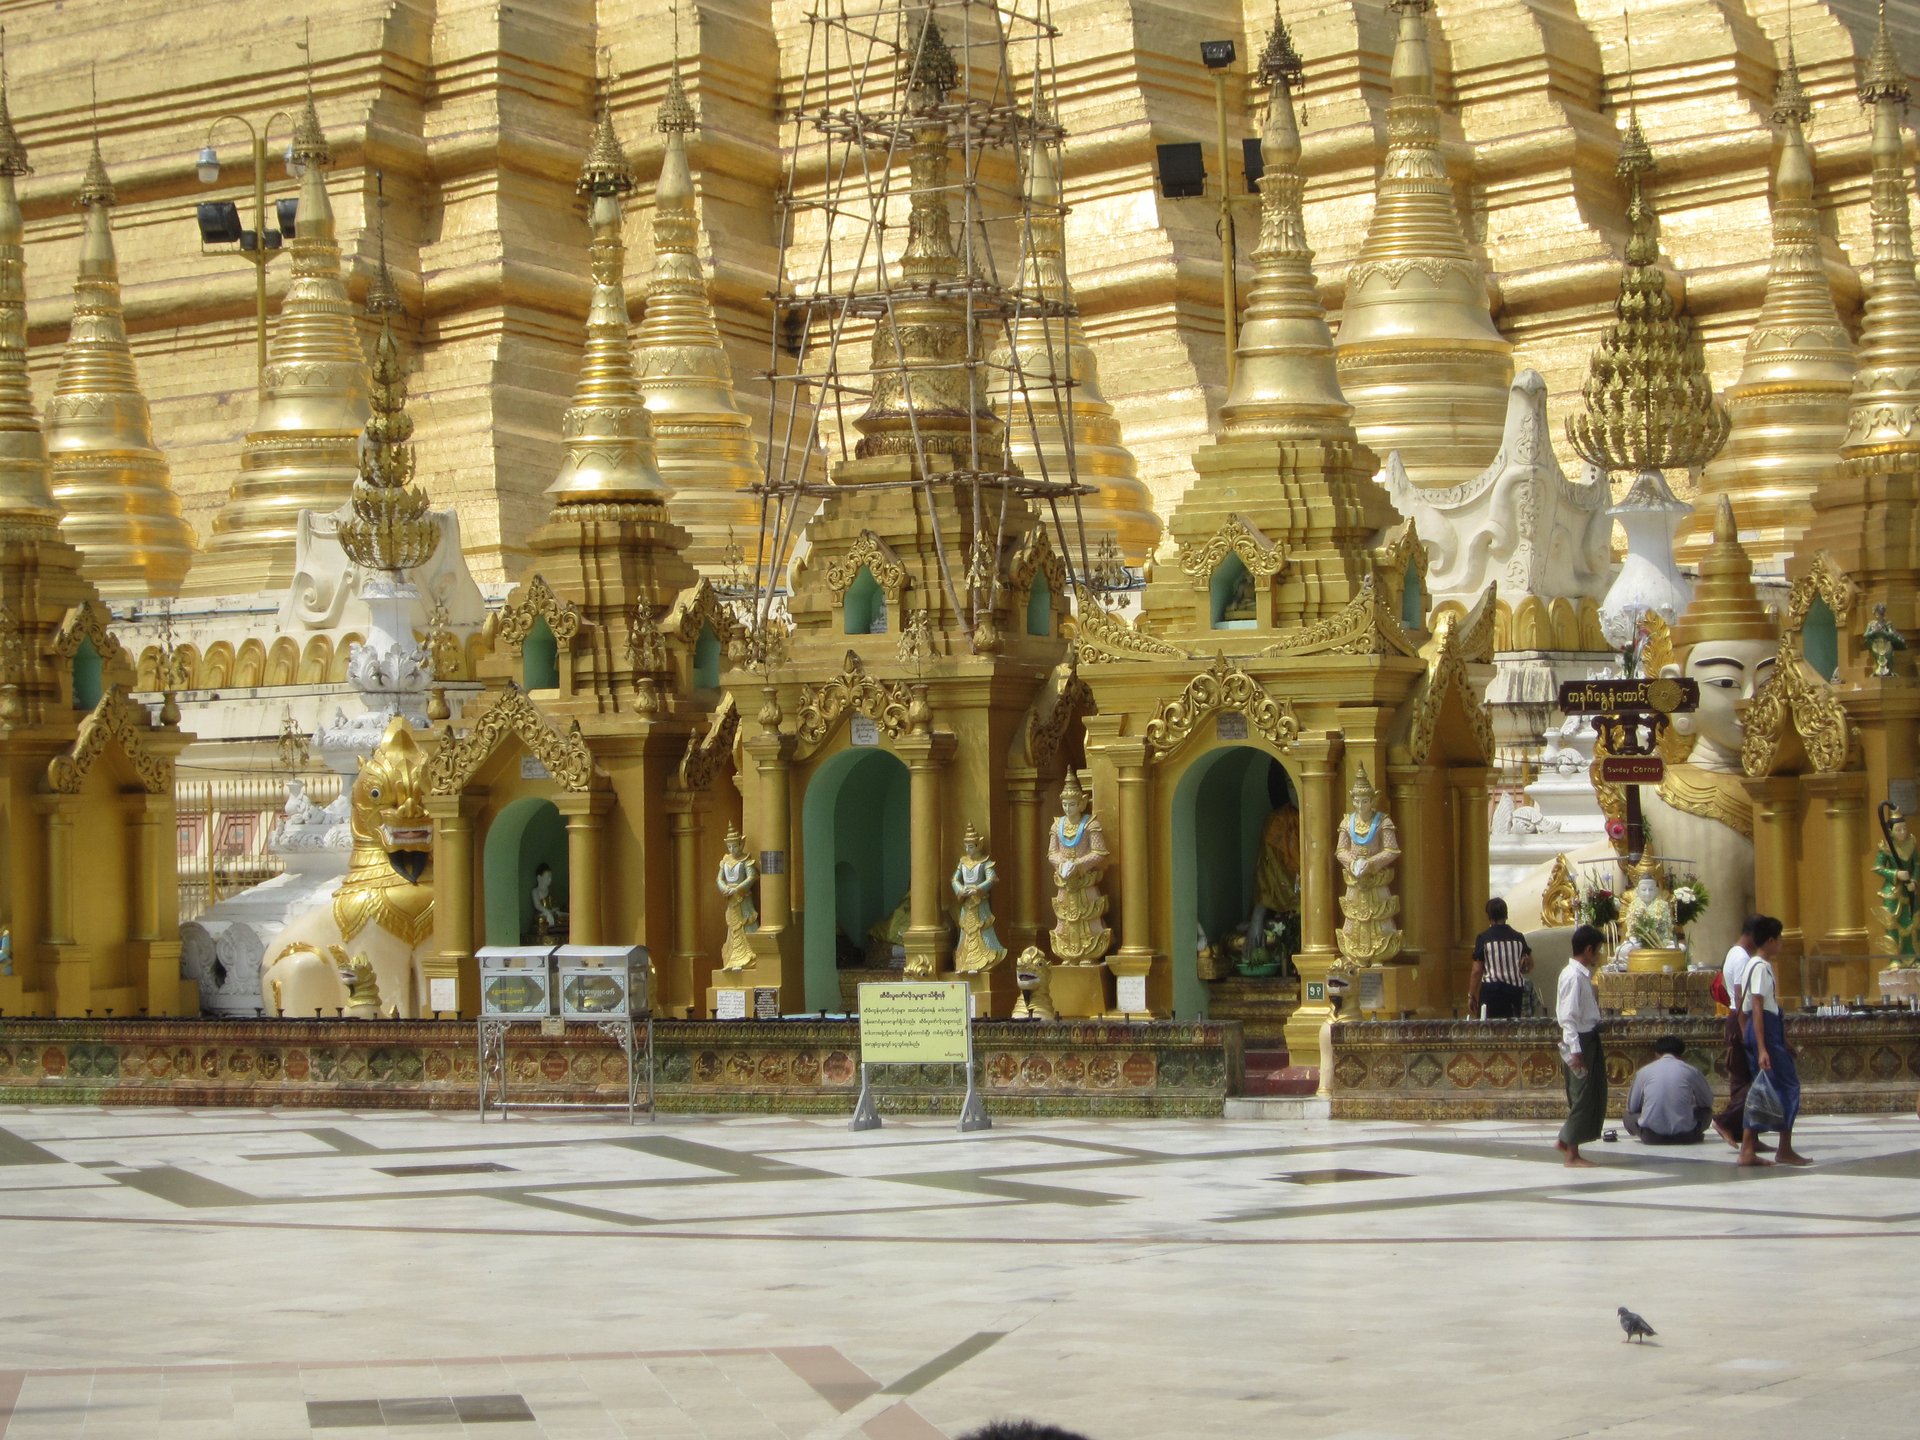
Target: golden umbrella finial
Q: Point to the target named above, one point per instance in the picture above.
(13, 155)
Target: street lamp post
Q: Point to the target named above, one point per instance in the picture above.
(219, 222)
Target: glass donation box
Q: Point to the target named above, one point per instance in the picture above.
(516, 981)
(601, 981)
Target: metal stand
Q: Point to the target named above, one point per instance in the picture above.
(973, 1114)
(866, 1114)
(622, 1030)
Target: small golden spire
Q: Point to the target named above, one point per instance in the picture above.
(609, 440)
(1421, 362)
(923, 404)
(1286, 384)
(383, 296)
(1886, 394)
(702, 441)
(390, 528)
(1788, 410)
(1724, 605)
(1049, 373)
(301, 452)
(109, 478)
(24, 491)
(1649, 403)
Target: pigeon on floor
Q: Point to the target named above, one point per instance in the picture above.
(1635, 1327)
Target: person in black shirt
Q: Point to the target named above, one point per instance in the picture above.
(1502, 960)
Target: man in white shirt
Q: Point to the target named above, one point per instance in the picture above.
(1767, 1049)
(1580, 1050)
(1729, 1123)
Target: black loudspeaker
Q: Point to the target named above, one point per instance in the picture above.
(219, 222)
(1183, 171)
(1255, 162)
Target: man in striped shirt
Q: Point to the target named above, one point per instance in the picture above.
(1502, 960)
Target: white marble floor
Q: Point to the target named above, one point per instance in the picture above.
(261, 1275)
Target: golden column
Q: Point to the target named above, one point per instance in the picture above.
(703, 440)
(452, 897)
(1789, 407)
(929, 948)
(585, 917)
(1420, 358)
(70, 984)
(1469, 880)
(772, 754)
(1776, 809)
(1843, 805)
(683, 821)
(109, 477)
(1132, 963)
(1078, 436)
(1022, 874)
(1319, 817)
(301, 453)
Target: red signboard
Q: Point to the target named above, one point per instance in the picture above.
(1632, 769)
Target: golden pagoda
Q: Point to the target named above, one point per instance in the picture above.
(109, 478)
(1420, 358)
(703, 441)
(1837, 729)
(1788, 409)
(602, 729)
(1050, 346)
(300, 454)
(87, 887)
(1283, 654)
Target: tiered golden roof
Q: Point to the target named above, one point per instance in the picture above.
(703, 441)
(23, 448)
(300, 453)
(1050, 350)
(1286, 383)
(924, 401)
(109, 478)
(1420, 359)
(1724, 605)
(389, 528)
(608, 438)
(1788, 410)
(1649, 403)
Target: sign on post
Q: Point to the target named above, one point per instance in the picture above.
(1662, 695)
(1632, 769)
(916, 1022)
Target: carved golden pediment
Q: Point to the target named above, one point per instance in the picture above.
(1365, 627)
(457, 759)
(1447, 675)
(1239, 536)
(515, 620)
(885, 702)
(707, 753)
(119, 721)
(1102, 635)
(1222, 686)
(1065, 695)
(697, 605)
(1037, 556)
(876, 555)
(1824, 581)
(1794, 694)
(91, 621)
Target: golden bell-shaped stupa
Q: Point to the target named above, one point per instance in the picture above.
(1788, 409)
(1420, 359)
(1077, 435)
(703, 442)
(302, 451)
(1724, 606)
(109, 478)
(607, 436)
(24, 491)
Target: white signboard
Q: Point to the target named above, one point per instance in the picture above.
(443, 993)
(532, 769)
(1232, 725)
(863, 730)
(1130, 994)
(729, 1004)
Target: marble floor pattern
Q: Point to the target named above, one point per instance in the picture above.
(261, 1275)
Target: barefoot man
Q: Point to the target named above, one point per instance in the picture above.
(1767, 1047)
(1580, 1049)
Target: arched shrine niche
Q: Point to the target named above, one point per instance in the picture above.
(528, 833)
(1235, 872)
(858, 846)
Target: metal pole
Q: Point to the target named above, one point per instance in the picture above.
(1229, 303)
(260, 250)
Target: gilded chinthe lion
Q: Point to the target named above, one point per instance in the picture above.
(383, 910)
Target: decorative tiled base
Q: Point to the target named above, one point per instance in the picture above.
(1260, 1003)
(1089, 1068)
(1630, 992)
(1510, 1069)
